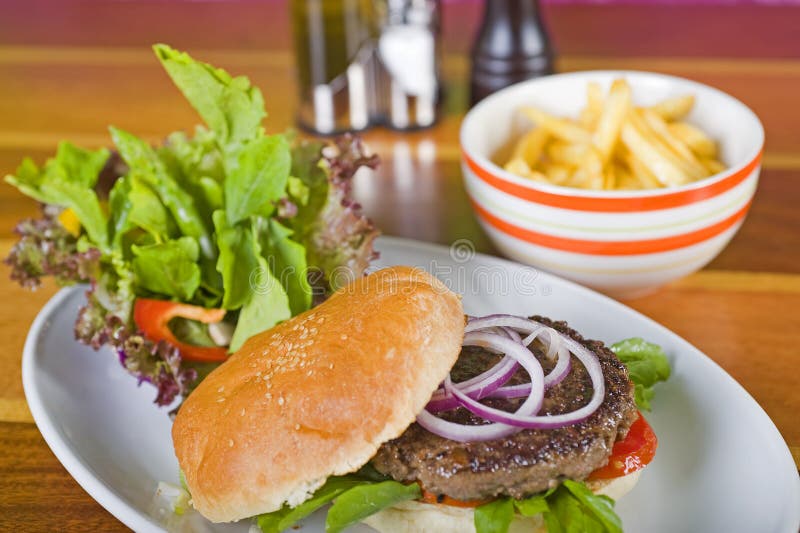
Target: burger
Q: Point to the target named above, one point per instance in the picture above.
(388, 402)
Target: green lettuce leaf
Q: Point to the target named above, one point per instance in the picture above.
(81, 166)
(84, 204)
(602, 507)
(286, 517)
(168, 268)
(586, 513)
(135, 205)
(67, 180)
(145, 165)
(196, 164)
(288, 261)
(238, 260)
(268, 305)
(193, 156)
(191, 332)
(259, 178)
(570, 508)
(494, 517)
(534, 505)
(361, 501)
(231, 107)
(647, 365)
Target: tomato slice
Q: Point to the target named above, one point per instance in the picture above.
(632, 453)
(153, 316)
(441, 499)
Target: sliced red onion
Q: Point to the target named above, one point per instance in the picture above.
(461, 432)
(466, 433)
(560, 371)
(533, 329)
(481, 385)
(513, 335)
(553, 378)
(530, 327)
(595, 371)
(490, 332)
(487, 383)
(490, 381)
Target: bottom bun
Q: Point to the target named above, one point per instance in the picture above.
(420, 517)
(615, 488)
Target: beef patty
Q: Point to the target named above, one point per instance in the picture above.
(531, 460)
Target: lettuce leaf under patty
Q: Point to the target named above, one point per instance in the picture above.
(570, 508)
(373, 491)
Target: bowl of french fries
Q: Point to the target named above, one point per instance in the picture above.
(619, 180)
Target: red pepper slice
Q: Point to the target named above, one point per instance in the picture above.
(153, 316)
(632, 453)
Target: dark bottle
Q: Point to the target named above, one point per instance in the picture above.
(512, 45)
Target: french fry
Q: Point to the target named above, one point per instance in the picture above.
(566, 153)
(610, 122)
(697, 141)
(557, 173)
(558, 127)
(520, 168)
(529, 148)
(625, 180)
(614, 145)
(688, 161)
(610, 178)
(589, 175)
(594, 106)
(646, 151)
(639, 172)
(693, 169)
(712, 166)
(675, 108)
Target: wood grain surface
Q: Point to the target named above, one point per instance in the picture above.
(68, 69)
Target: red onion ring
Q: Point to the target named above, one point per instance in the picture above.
(531, 405)
(503, 423)
(534, 330)
(519, 323)
(481, 385)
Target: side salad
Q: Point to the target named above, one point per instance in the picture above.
(192, 246)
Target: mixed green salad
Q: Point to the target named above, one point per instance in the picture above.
(192, 246)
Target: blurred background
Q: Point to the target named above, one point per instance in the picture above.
(84, 57)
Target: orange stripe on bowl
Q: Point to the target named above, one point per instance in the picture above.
(614, 205)
(648, 246)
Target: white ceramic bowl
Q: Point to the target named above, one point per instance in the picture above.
(623, 243)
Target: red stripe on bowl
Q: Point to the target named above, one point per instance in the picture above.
(614, 205)
(648, 246)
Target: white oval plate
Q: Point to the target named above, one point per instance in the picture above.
(721, 463)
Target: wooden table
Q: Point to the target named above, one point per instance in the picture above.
(70, 68)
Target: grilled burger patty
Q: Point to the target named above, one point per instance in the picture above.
(529, 461)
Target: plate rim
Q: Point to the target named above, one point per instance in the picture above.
(132, 517)
(82, 473)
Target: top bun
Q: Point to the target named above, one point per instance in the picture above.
(318, 394)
